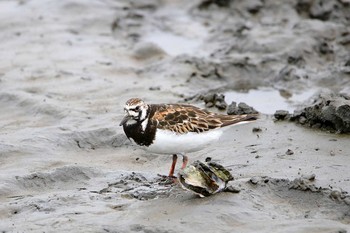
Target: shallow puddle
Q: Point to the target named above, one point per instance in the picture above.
(173, 44)
(269, 100)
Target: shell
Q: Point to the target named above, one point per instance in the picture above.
(204, 179)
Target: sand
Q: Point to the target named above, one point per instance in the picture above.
(68, 66)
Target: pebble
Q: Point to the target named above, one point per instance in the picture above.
(254, 180)
(232, 189)
(289, 152)
(335, 195)
(256, 129)
(281, 114)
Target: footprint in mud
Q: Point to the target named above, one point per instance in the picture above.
(142, 228)
(62, 178)
(302, 198)
(137, 186)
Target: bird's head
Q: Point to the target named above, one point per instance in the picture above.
(135, 111)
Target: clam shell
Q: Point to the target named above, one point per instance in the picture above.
(204, 179)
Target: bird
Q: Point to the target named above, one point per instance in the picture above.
(175, 129)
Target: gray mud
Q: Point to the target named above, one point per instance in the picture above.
(327, 111)
(68, 67)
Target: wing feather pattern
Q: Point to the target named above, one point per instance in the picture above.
(181, 118)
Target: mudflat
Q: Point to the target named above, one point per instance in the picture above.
(67, 68)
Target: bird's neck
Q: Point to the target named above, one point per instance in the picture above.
(142, 131)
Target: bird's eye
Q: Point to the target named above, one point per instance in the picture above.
(137, 108)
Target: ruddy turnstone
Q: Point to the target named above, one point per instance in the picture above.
(174, 128)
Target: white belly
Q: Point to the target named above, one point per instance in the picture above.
(167, 142)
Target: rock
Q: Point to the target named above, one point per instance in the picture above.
(232, 189)
(221, 3)
(217, 100)
(220, 102)
(296, 59)
(303, 184)
(309, 177)
(325, 48)
(254, 6)
(232, 109)
(254, 180)
(326, 10)
(336, 195)
(347, 200)
(242, 108)
(290, 74)
(302, 120)
(347, 62)
(321, 9)
(329, 111)
(281, 115)
(246, 108)
(148, 50)
(256, 130)
(289, 152)
(156, 88)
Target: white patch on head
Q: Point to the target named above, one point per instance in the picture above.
(137, 112)
(143, 113)
(144, 124)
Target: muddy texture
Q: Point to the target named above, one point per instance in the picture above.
(137, 186)
(214, 100)
(241, 108)
(328, 111)
(281, 115)
(294, 190)
(68, 67)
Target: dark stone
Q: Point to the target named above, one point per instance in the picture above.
(326, 10)
(220, 102)
(157, 88)
(329, 112)
(254, 180)
(289, 73)
(254, 6)
(232, 189)
(296, 59)
(347, 63)
(289, 152)
(256, 130)
(242, 108)
(221, 3)
(321, 9)
(302, 120)
(325, 48)
(217, 100)
(281, 114)
(232, 109)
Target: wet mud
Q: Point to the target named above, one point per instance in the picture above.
(68, 67)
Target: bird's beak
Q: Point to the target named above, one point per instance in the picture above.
(125, 119)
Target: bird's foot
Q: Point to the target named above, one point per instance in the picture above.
(167, 180)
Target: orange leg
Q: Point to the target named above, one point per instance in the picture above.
(172, 168)
(184, 164)
(184, 161)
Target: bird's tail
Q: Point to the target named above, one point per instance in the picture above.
(239, 119)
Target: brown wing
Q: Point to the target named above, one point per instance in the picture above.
(186, 118)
